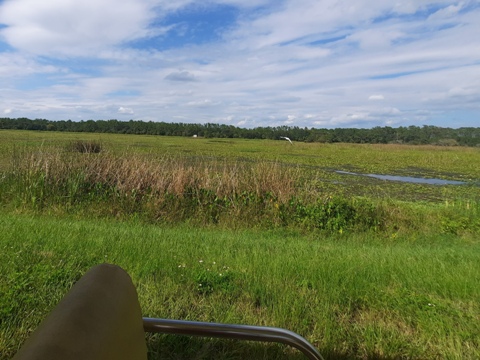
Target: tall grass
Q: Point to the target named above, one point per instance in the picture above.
(172, 189)
(212, 191)
(134, 173)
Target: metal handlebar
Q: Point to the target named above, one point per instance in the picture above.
(242, 332)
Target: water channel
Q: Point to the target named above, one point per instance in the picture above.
(408, 179)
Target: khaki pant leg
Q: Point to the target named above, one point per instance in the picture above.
(99, 318)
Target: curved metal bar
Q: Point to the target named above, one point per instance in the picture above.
(243, 332)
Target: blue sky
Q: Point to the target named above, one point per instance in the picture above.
(248, 63)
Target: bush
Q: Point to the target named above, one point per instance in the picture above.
(335, 214)
(85, 147)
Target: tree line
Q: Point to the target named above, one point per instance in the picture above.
(416, 135)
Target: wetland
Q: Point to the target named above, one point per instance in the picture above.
(254, 232)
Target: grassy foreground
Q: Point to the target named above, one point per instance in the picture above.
(352, 296)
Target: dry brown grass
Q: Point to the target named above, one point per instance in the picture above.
(142, 175)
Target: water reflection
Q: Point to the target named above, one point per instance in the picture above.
(408, 179)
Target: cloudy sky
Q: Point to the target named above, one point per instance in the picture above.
(314, 63)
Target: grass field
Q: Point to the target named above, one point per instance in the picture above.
(362, 268)
(353, 297)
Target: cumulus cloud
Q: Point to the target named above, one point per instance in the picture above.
(82, 28)
(125, 110)
(71, 27)
(376, 97)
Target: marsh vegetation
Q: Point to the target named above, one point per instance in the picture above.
(251, 232)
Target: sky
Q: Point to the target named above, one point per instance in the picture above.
(247, 63)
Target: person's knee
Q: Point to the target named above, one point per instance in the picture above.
(99, 318)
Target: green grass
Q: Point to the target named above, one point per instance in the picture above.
(353, 296)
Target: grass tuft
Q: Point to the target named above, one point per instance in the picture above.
(85, 146)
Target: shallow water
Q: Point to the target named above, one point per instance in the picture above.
(408, 179)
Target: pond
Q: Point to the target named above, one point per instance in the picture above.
(408, 179)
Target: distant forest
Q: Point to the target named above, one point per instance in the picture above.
(434, 135)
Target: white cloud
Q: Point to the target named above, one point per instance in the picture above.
(376, 97)
(125, 110)
(14, 65)
(386, 111)
(71, 27)
(290, 119)
(243, 3)
(202, 103)
(7, 111)
(375, 38)
(459, 92)
(82, 28)
(447, 12)
(300, 18)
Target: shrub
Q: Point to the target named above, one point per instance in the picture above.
(336, 214)
(85, 147)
